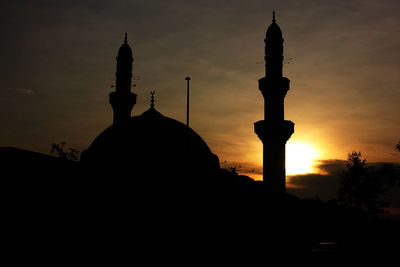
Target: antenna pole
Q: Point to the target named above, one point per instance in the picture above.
(187, 100)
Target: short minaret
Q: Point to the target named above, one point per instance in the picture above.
(274, 130)
(123, 100)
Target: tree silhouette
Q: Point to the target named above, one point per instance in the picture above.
(58, 149)
(397, 147)
(234, 169)
(362, 187)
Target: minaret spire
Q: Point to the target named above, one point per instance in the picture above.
(123, 100)
(274, 130)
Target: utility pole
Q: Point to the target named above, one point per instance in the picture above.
(187, 100)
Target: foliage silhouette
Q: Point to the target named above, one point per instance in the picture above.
(58, 149)
(363, 188)
(234, 169)
(397, 147)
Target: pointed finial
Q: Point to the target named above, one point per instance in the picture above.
(273, 16)
(152, 99)
(126, 38)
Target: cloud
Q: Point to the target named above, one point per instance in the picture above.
(12, 93)
(24, 91)
(326, 184)
(331, 166)
(323, 186)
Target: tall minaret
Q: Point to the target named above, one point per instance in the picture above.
(274, 130)
(123, 100)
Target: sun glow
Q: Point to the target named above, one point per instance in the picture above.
(300, 158)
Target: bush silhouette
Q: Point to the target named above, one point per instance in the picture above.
(363, 187)
(58, 149)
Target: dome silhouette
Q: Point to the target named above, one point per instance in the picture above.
(274, 31)
(149, 147)
(125, 50)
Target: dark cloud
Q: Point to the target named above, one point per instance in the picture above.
(331, 166)
(16, 92)
(325, 186)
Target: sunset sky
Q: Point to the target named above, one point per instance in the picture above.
(58, 65)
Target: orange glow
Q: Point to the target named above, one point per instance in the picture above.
(254, 176)
(300, 158)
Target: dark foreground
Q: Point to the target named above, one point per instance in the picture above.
(239, 220)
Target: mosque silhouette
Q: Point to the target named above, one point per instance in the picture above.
(170, 175)
(154, 149)
(151, 188)
(141, 149)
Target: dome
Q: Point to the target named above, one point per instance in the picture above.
(274, 31)
(150, 146)
(125, 50)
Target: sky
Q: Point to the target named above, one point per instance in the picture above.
(342, 57)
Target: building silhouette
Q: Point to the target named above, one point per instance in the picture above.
(144, 148)
(274, 130)
(123, 100)
(210, 209)
(148, 147)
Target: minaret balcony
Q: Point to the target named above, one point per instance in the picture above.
(274, 87)
(270, 130)
(124, 99)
